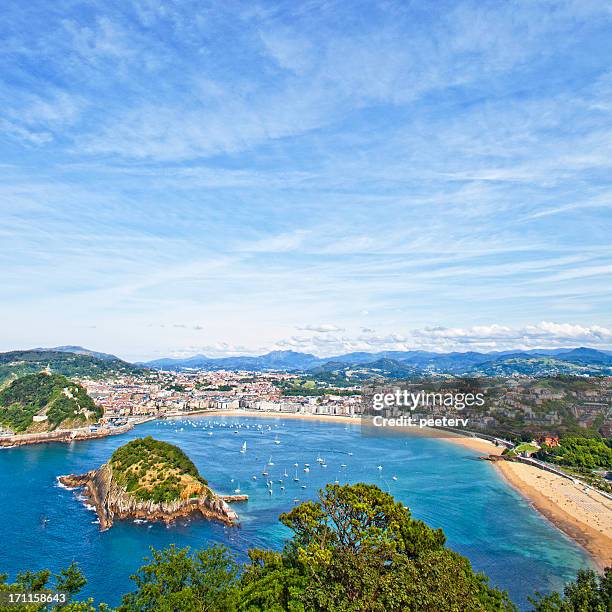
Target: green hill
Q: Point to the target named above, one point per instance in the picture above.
(52, 398)
(156, 471)
(19, 363)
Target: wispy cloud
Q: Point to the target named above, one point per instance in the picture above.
(246, 167)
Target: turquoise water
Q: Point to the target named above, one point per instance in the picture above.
(43, 525)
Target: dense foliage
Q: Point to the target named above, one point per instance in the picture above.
(51, 394)
(153, 470)
(20, 363)
(355, 549)
(69, 581)
(589, 453)
(589, 593)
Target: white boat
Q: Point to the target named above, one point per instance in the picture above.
(379, 467)
(285, 475)
(343, 465)
(393, 477)
(270, 462)
(237, 489)
(296, 479)
(276, 440)
(244, 448)
(307, 469)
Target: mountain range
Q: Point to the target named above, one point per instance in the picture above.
(400, 363)
(78, 361)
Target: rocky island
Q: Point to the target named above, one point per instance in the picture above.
(152, 480)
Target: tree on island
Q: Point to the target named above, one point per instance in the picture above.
(355, 549)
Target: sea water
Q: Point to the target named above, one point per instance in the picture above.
(43, 525)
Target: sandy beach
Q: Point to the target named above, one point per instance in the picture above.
(284, 415)
(585, 516)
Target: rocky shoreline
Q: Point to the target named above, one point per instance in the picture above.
(112, 502)
(62, 435)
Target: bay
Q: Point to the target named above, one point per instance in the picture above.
(43, 525)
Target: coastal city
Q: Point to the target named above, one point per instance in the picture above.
(535, 404)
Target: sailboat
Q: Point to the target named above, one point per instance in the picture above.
(270, 462)
(296, 479)
(285, 475)
(237, 489)
(276, 440)
(244, 448)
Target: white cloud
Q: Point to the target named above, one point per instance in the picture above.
(494, 337)
(321, 329)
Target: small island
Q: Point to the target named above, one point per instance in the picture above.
(152, 480)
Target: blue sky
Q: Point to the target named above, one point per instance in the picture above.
(223, 177)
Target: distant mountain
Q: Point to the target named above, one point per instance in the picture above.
(79, 350)
(275, 360)
(407, 363)
(19, 363)
(587, 356)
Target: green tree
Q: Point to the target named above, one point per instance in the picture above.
(176, 580)
(588, 593)
(70, 580)
(356, 548)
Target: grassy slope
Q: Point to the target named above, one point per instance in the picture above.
(157, 471)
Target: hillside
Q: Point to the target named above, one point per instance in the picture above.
(19, 363)
(152, 480)
(44, 402)
(78, 350)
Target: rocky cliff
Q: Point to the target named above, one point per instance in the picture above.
(112, 501)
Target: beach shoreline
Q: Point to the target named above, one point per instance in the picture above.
(584, 516)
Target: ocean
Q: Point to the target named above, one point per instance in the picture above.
(43, 525)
